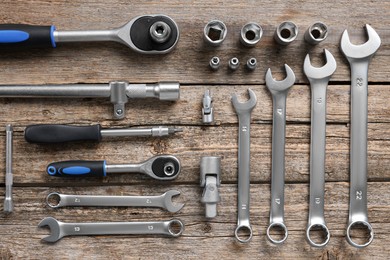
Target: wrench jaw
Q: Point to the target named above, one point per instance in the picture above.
(361, 223)
(280, 86)
(55, 229)
(276, 225)
(323, 73)
(321, 228)
(244, 107)
(360, 52)
(167, 200)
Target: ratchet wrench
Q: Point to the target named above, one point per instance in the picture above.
(58, 229)
(160, 167)
(359, 57)
(162, 201)
(243, 232)
(279, 91)
(147, 34)
(318, 78)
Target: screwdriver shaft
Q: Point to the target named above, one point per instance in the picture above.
(8, 204)
(152, 131)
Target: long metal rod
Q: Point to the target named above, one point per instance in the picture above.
(85, 36)
(8, 203)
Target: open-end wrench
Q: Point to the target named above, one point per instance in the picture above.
(162, 201)
(318, 78)
(159, 167)
(243, 111)
(148, 34)
(359, 57)
(279, 91)
(58, 229)
(8, 202)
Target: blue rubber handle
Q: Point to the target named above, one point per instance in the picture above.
(77, 168)
(23, 35)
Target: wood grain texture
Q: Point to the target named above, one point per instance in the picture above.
(188, 64)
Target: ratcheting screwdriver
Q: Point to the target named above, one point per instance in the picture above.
(147, 34)
(52, 133)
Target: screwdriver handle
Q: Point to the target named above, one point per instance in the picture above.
(24, 35)
(52, 133)
(77, 168)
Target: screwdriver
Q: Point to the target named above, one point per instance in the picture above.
(56, 133)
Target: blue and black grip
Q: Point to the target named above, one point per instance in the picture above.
(51, 133)
(77, 168)
(23, 35)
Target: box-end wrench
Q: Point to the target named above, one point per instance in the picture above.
(279, 91)
(147, 34)
(164, 201)
(318, 78)
(8, 203)
(243, 231)
(159, 167)
(58, 229)
(359, 57)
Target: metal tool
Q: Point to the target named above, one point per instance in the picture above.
(214, 63)
(160, 167)
(359, 57)
(53, 133)
(8, 202)
(214, 33)
(251, 64)
(243, 111)
(279, 91)
(234, 63)
(147, 34)
(164, 201)
(210, 171)
(316, 33)
(318, 78)
(58, 229)
(207, 109)
(118, 91)
(285, 33)
(251, 34)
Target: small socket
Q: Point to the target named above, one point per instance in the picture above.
(316, 33)
(234, 63)
(215, 33)
(251, 34)
(160, 32)
(251, 64)
(214, 63)
(286, 33)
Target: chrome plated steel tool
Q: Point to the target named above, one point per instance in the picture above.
(8, 201)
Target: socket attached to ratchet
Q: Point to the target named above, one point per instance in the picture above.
(147, 34)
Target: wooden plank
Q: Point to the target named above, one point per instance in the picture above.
(210, 239)
(71, 63)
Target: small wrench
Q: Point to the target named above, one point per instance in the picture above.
(359, 57)
(58, 229)
(163, 201)
(159, 167)
(279, 91)
(243, 111)
(318, 78)
(8, 203)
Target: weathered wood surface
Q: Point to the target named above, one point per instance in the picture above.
(188, 64)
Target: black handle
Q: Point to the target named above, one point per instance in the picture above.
(61, 133)
(23, 35)
(77, 168)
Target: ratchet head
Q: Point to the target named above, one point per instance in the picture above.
(320, 73)
(363, 51)
(168, 204)
(162, 167)
(55, 229)
(280, 86)
(244, 107)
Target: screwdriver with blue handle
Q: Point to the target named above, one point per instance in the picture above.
(55, 133)
(148, 34)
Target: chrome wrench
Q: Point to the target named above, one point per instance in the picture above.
(162, 201)
(359, 57)
(8, 203)
(58, 229)
(279, 91)
(243, 111)
(318, 78)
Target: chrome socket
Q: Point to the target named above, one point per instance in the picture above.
(214, 63)
(251, 34)
(214, 33)
(234, 63)
(316, 33)
(285, 33)
(251, 63)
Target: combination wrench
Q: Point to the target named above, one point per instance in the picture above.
(359, 57)
(147, 34)
(243, 111)
(318, 78)
(279, 91)
(159, 167)
(164, 201)
(58, 229)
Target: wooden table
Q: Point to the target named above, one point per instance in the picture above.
(188, 64)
